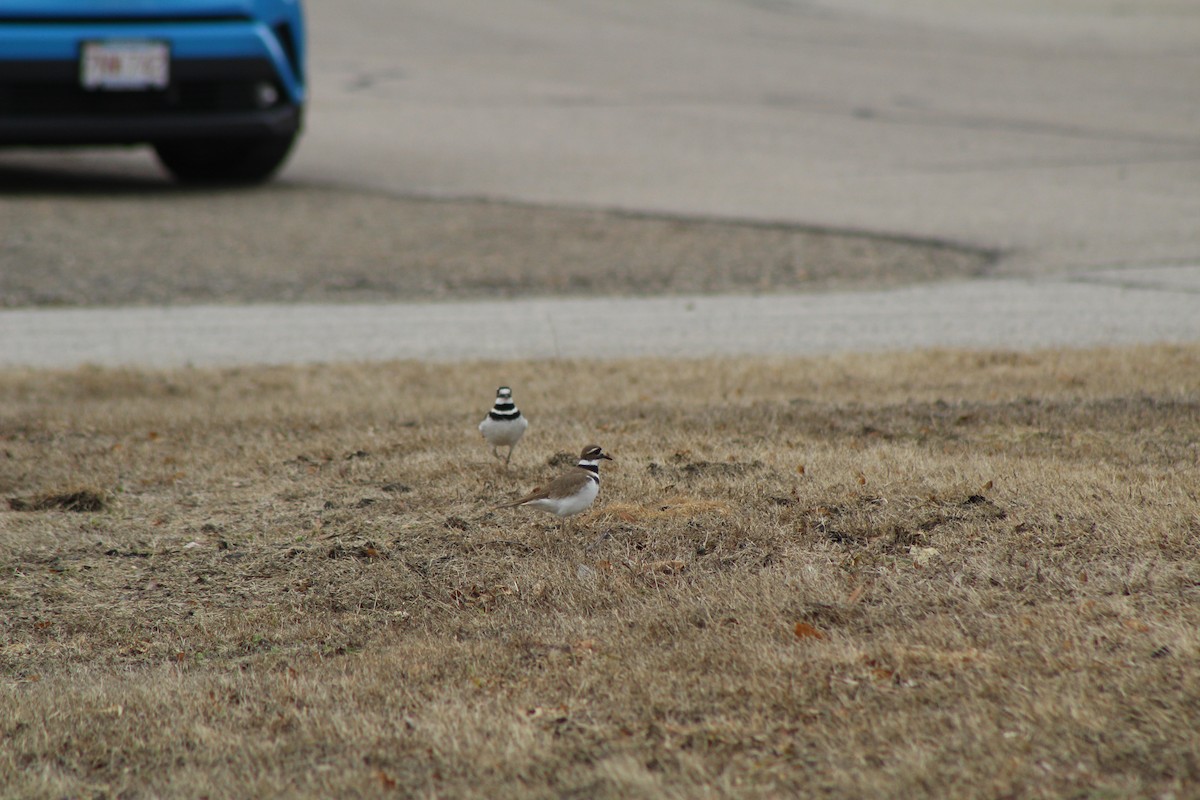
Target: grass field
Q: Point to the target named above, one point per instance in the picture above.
(940, 574)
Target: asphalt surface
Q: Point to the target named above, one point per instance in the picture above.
(288, 243)
(1060, 133)
(1065, 132)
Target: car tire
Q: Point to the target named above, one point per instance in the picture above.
(224, 161)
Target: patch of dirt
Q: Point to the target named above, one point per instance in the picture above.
(82, 500)
(287, 243)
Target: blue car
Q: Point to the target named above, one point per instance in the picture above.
(217, 87)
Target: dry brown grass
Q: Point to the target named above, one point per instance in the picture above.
(944, 574)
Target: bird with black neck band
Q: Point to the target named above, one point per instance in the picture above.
(570, 493)
(504, 425)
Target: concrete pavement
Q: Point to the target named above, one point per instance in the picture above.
(1117, 309)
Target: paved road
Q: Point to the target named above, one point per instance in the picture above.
(1065, 133)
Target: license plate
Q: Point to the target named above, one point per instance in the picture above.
(125, 65)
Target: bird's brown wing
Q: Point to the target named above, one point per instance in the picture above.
(564, 485)
(568, 483)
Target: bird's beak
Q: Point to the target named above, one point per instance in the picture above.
(606, 455)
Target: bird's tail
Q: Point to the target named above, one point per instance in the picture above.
(531, 496)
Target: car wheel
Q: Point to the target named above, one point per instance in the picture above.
(224, 160)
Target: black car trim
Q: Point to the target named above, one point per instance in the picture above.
(84, 130)
(66, 19)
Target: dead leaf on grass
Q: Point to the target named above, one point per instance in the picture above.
(625, 512)
(805, 631)
(671, 566)
(584, 646)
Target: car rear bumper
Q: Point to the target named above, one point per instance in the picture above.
(63, 129)
(43, 103)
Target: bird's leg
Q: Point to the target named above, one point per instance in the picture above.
(508, 458)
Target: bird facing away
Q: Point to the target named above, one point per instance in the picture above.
(503, 426)
(571, 492)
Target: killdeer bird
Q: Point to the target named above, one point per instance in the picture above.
(504, 425)
(571, 492)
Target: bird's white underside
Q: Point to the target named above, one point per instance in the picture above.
(503, 432)
(568, 506)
